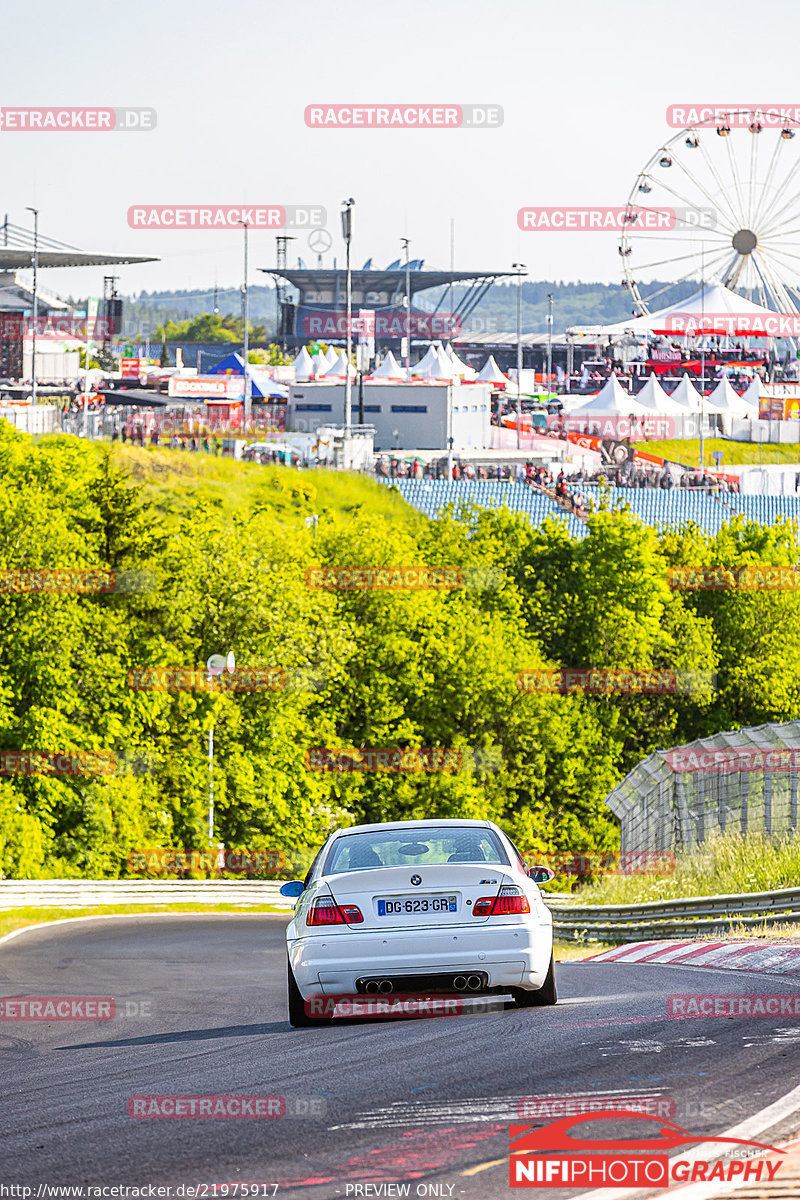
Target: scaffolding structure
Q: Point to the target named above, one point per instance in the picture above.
(743, 781)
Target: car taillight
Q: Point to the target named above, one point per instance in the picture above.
(327, 912)
(508, 900)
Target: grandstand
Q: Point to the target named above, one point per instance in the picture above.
(661, 509)
(430, 496)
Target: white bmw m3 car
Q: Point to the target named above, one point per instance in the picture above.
(419, 907)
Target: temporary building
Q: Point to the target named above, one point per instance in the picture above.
(339, 369)
(331, 355)
(461, 369)
(321, 365)
(430, 366)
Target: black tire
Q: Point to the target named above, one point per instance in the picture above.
(298, 1017)
(544, 995)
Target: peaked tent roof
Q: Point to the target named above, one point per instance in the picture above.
(656, 400)
(490, 372)
(612, 400)
(712, 298)
(461, 368)
(686, 395)
(339, 369)
(303, 365)
(430, 366)
(321, 364)
(389, 369)
(727, 400)
(332, 355)
(753, 394)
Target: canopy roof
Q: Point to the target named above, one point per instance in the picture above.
(656, 400)
(708, 300)
(303, 366)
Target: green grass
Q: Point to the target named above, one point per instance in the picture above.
(176, 479)
(734, 453)
(726, 864)
(17, 918)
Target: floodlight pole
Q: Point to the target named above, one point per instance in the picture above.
(248, 391)
(519, 268)
(211, 768)
(347, 233)
(405, 243)
(549, 344)
(35, 212)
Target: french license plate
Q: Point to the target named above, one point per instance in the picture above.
(401, 906)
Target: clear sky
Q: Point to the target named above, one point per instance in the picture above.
(584, 85)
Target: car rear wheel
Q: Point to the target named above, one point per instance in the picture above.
(544, 995)
(298, 1017)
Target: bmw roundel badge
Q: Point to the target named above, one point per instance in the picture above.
(416, 880)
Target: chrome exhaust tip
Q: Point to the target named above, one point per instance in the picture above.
(460, 983)
(474, 983)
(385, 986)
(371, 987)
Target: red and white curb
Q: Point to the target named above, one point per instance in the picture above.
(750, 955)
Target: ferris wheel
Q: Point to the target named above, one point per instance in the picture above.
(728, 189)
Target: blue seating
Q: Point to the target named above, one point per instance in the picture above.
(661, 509)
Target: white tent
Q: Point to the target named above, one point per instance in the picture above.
(726, 400)
(446, 363)
(752, 396)
(389, 369)
(340, 367)
(611, 401)
(490, 372)
(321, 365)
(431, 367)
(332, 355)
(656, 400)
(686, 396)
(708, 300)
(462, 370)
(303, 365)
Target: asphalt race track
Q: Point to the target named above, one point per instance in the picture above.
(427, 1101)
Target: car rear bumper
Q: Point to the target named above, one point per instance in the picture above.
(510, 955)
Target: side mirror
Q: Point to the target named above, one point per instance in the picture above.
(295, 887)
(541, 874)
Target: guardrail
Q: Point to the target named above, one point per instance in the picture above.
(674, 918)
(599, 922)
(98, 893)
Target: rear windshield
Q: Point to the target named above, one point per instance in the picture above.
(424, 846)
